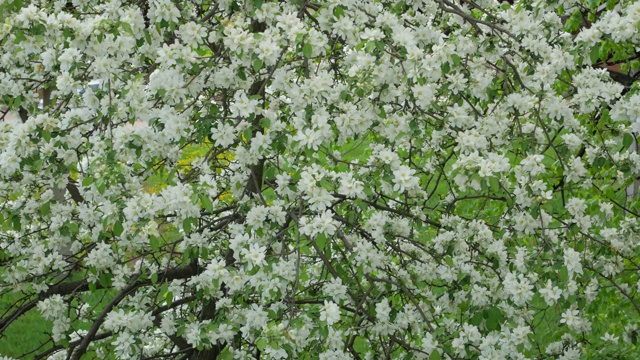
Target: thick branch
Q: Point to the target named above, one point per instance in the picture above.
(67, 288)
(82, 348)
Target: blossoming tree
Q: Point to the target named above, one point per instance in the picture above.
(374, 179)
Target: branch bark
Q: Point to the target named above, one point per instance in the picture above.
(71, 287)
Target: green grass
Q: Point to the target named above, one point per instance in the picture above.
(25, 333)
(30, 330)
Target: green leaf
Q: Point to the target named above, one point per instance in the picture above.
(371, 45)
(241, 74)
(225, 354)
(445, 67)
(154, 242)
(73, 227)
(262, 344)
(605, 49)
(16, 4)
(154, 278)
(188, 224)
(435, 355)
(494, 185)
(168, 298)
(382, 113)
(535, 211)
(214, 109)
(265, 123)
(338, 11)
(573, 23)
(19, 36)
(627, 140)
(321, 241)
(45, 209)
(17, 101)
(206, 203)
(594, 55)
(247, 135)
(105, 280)
(87, 181)
(494, 318)
(127, 28)
(257, 3)
(456, 60)
(360, 345)
(324, 330)
(15, 223)
(564, 274)
(599, 162)
(257, 65)
(101, 186)
(306, 50)
(476, 319)
(118, 228)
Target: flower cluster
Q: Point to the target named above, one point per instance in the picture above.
(343, 179)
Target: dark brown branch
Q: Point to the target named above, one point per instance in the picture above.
(104, 335)
(86, 341)
(74, 192)
(72, 345)
(67, 288)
